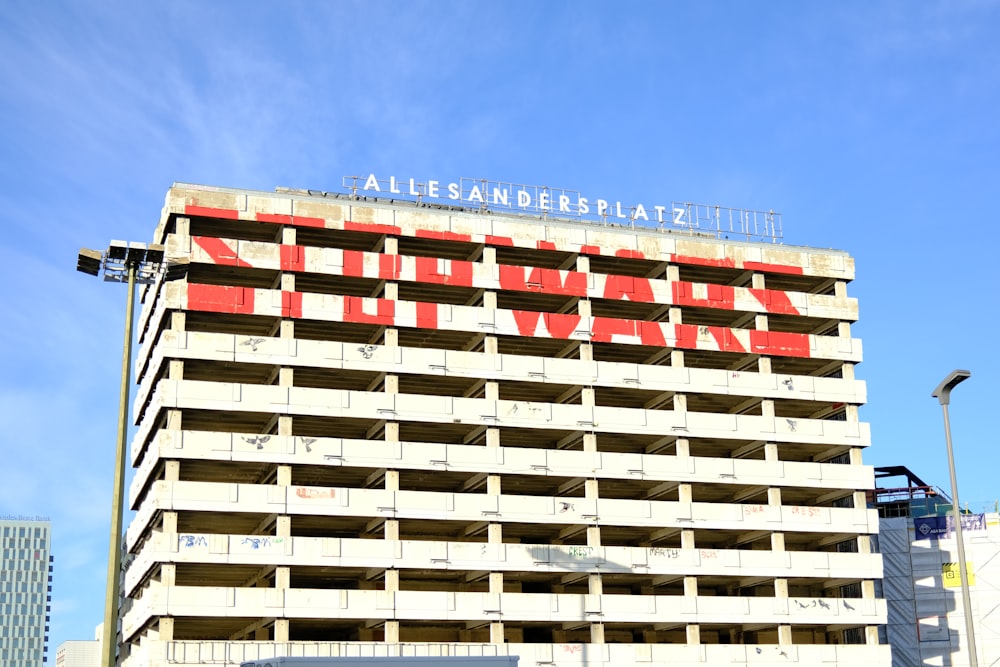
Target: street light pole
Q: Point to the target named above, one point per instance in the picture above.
(943, 394)
(128, 263)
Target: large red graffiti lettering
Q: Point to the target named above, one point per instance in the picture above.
(548, 281)
(220, 253)
(627, 287)
(444, 271)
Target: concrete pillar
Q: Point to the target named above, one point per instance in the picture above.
(596, 633)
(392, 632)
(757, 281)
(764, 365)
(491, 345)
(682, 447)
(586, 352)
(777, 541)
(784, 635)
(583, 263)
(492, 391)
(583, 308)
(168, 574)
(392, 480)
(760, 322)
(693, 634)
(680, 403)
(172, 471)
(590, 442)
(677, 358)
(176, 369)
(392, 581)
(489, 255)
(496, 632)
(685, 493)
(490, 300)
(165, 629)
(587, 397)
(767, 408)
(687, 538)
(170, 522)
(781, 588)
(771, 452)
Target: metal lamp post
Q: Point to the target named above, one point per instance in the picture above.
(943, 394)
(129, 263)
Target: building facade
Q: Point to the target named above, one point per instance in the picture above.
(79, 653)
(25, 591)
(376, 427)
(922, 584)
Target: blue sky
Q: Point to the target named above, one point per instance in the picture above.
(870, 125)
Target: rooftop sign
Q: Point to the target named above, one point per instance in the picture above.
(544, 200)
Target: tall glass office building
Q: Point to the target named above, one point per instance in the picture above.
(25, 590)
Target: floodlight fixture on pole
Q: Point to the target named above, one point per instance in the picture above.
(943, 394)
(129, 263)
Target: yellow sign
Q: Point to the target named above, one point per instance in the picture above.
(952, 578)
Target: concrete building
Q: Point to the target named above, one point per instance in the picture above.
(79, 653)
(377, 427)
(25, 590)
(922, 586)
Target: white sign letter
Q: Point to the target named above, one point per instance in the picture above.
(371, 184)
(543, 200)
(453, 191)
(523, 199)
(602, 206)
(501, 196)
(475, 194)
(432, 188)
(640, 213)
(563, 203)
(679, 216)
(581, 206)
(659, 212)
(392, 185)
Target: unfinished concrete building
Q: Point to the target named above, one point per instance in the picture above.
(373, 427)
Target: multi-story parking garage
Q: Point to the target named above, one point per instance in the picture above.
(372, 427)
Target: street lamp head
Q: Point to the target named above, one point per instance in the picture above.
(943, 391)
(89, 261)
